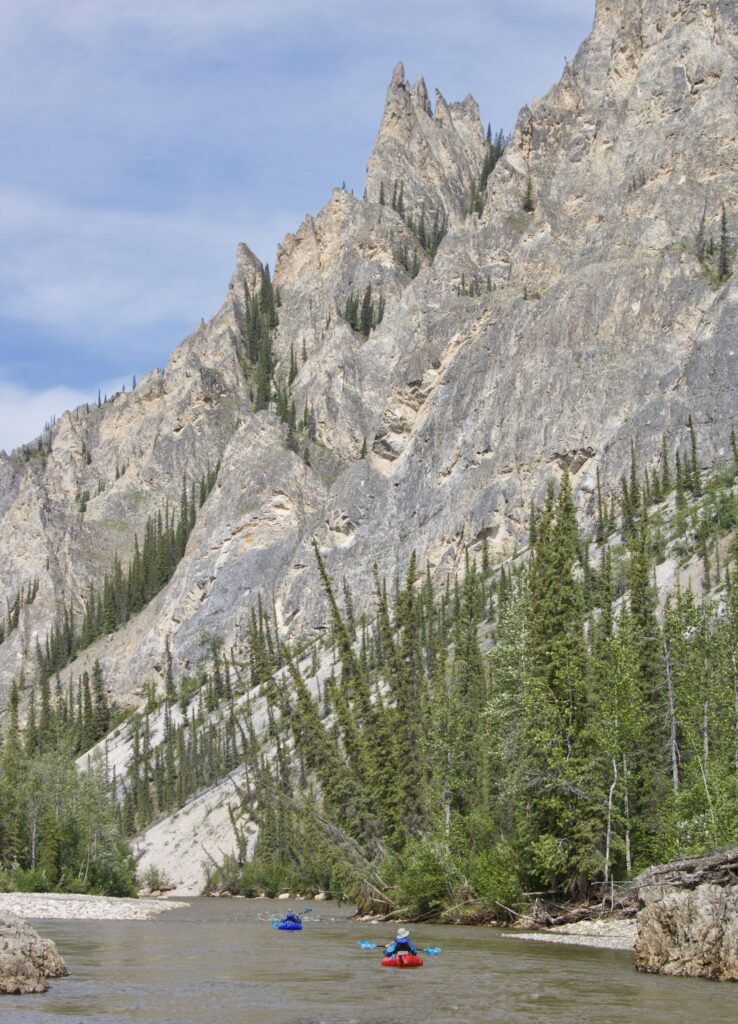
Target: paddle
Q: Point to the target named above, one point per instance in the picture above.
(430, 950)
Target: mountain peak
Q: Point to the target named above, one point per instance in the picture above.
(398, 76)
(419, 94)
(434, 156)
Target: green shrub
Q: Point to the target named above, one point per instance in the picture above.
(267, 879)
(427, 877)
(494, 878)
(27, 880)
(154, 879)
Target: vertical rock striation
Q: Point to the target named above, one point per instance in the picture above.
(593, 320)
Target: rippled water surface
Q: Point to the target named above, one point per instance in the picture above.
(220, 962)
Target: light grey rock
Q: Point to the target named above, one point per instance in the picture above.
(434, 156)
(689, 933)
(468, 405)
(26, 960)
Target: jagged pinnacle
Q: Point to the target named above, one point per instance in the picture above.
(398, 76)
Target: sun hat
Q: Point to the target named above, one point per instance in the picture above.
(402, 933)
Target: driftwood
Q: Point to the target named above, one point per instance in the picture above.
(554, 917)
(718, 869)
(625, 900)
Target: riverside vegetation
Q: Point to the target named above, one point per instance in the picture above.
(60, 828)
(434, 352)
(537, 727)
(594, 737)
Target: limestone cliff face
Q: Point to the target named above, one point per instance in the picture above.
(594, 322)
(433, 155)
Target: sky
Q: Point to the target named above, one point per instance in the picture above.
(143, 139)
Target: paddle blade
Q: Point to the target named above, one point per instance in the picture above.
(433, 951)
(363, 944)
(308, 911)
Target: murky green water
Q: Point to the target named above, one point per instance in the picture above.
(220, 962)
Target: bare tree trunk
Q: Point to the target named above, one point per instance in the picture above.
(706, 732)
(609, 818)
(33, 841)
(673, 747)
(707, 793)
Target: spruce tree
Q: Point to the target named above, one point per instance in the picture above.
(601, 529)
(695, 481)
(634, 492)
(724, 264)
(529, 204)
(366, 315)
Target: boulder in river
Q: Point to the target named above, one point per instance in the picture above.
(688, 926)
(26, 960)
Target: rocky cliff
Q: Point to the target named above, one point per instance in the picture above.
(525, 341)
(688, 924)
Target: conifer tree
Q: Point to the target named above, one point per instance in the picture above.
(695, 481)
(601, 529)
(724, 264)
(634, 492)
(529, 204)
(681, 481)
(666, 482)
(366, 315)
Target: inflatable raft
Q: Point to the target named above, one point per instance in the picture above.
(404, 960)
(289, 926)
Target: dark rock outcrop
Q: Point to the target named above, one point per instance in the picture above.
(26, 960)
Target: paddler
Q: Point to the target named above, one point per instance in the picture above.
(292, 918)
(401, 945)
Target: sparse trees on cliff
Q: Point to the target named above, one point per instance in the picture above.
(529, 202)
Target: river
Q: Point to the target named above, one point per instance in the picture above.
(218, 961)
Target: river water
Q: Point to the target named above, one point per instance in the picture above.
(218, 961)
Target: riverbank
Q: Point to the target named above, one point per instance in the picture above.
(600, 934)
(74, 906)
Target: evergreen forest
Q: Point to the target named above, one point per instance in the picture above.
(543, 728)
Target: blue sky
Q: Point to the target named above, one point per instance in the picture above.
(143, 139)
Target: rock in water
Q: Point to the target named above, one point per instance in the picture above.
(689, 933)
(26, 960)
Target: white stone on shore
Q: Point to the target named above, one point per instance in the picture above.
(70, 906)
(594, 934)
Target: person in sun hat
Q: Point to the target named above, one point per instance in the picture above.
(401, 944)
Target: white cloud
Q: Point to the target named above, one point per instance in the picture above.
(182, 23)
(94, 273)
(146, 138)
(23, 412)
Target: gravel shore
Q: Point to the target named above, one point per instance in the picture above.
(93, 908)
(597, 934)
